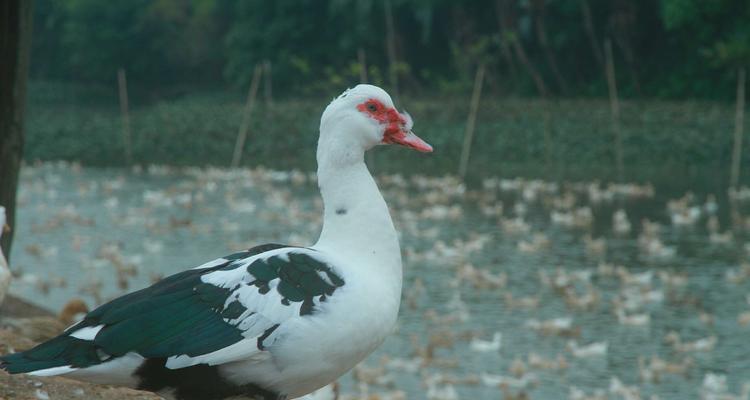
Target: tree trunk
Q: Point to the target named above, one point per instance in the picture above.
(623, 22)
(541, 34)
(15, 35)
(589, 25)
(739, 123)
(390, 42)
(614, 104)
(507, 23)
(505, 42)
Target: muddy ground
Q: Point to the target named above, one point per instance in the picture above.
(20, 320)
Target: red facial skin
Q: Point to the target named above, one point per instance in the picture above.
(377, 111)
(397, 126)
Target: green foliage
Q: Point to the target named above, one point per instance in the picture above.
(201, 130)
(665, 48)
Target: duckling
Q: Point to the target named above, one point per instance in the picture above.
(597, 349)
(737, 275)
(706, 344)
(675, 368)
(721, 239)
(587, 301)
(575, 393)
(595, 247)
(616, 387)
(562, 326)
(484, 346)
(514, 226)
(711, 206)
(743, 318)
(620, 223)
(538, 242)
(539, 362)
(633, 319)
(523, 302)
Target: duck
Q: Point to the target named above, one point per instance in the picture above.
(272, 322)
(4, 268)
(620, 222)
(597, 349)
(485, 346)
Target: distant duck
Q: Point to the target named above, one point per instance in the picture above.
(683, 212)
(652, 246)
(538, 242)
(514, 225)
(594, 247)
(711, 206)
(706, 344)
(620, 223)
(632, 319)
(598, 349)
(484, 346)
(562, 326)
(272, 322)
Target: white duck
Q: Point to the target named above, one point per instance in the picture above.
(4, 269)
(272, 322)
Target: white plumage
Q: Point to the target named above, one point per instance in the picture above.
(283, 321)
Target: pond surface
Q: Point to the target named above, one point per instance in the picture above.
(653, 304)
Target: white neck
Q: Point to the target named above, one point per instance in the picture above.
(356, 221)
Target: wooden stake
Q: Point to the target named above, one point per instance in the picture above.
(547, 132)
(249, 105)
(267, 85)
(122, 85)
(589, 25)
(390, 39)
(362, 60)
(739, 122)
(471, 122)
(614, 104)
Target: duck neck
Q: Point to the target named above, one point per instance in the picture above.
(356, 221)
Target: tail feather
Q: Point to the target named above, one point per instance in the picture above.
(62, 351)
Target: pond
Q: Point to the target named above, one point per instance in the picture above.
(512, 287)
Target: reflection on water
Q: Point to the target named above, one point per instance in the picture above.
(511, 287)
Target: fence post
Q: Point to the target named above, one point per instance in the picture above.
(239, 144)
(122, 85)
(471, 122)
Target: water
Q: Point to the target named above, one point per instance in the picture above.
(99, 233)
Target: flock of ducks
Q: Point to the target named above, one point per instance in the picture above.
(510, 287)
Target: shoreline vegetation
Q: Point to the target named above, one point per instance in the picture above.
(567, 139)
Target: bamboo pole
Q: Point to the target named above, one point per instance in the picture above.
(739, 122)
(267, 84)
(390, 39)
(362, 61)
(589, 25)
(471, 121)
(614, 104)
(122, 85)
(249, 105)
(547, 132)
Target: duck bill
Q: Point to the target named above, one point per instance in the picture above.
(410, 140)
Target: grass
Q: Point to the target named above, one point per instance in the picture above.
(660, 139)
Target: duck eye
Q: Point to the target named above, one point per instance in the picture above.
(372, 107)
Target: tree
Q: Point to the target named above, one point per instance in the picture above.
(15, 32)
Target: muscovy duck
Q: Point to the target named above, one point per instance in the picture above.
(272, 322)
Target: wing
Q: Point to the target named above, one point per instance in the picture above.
(219, 312)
